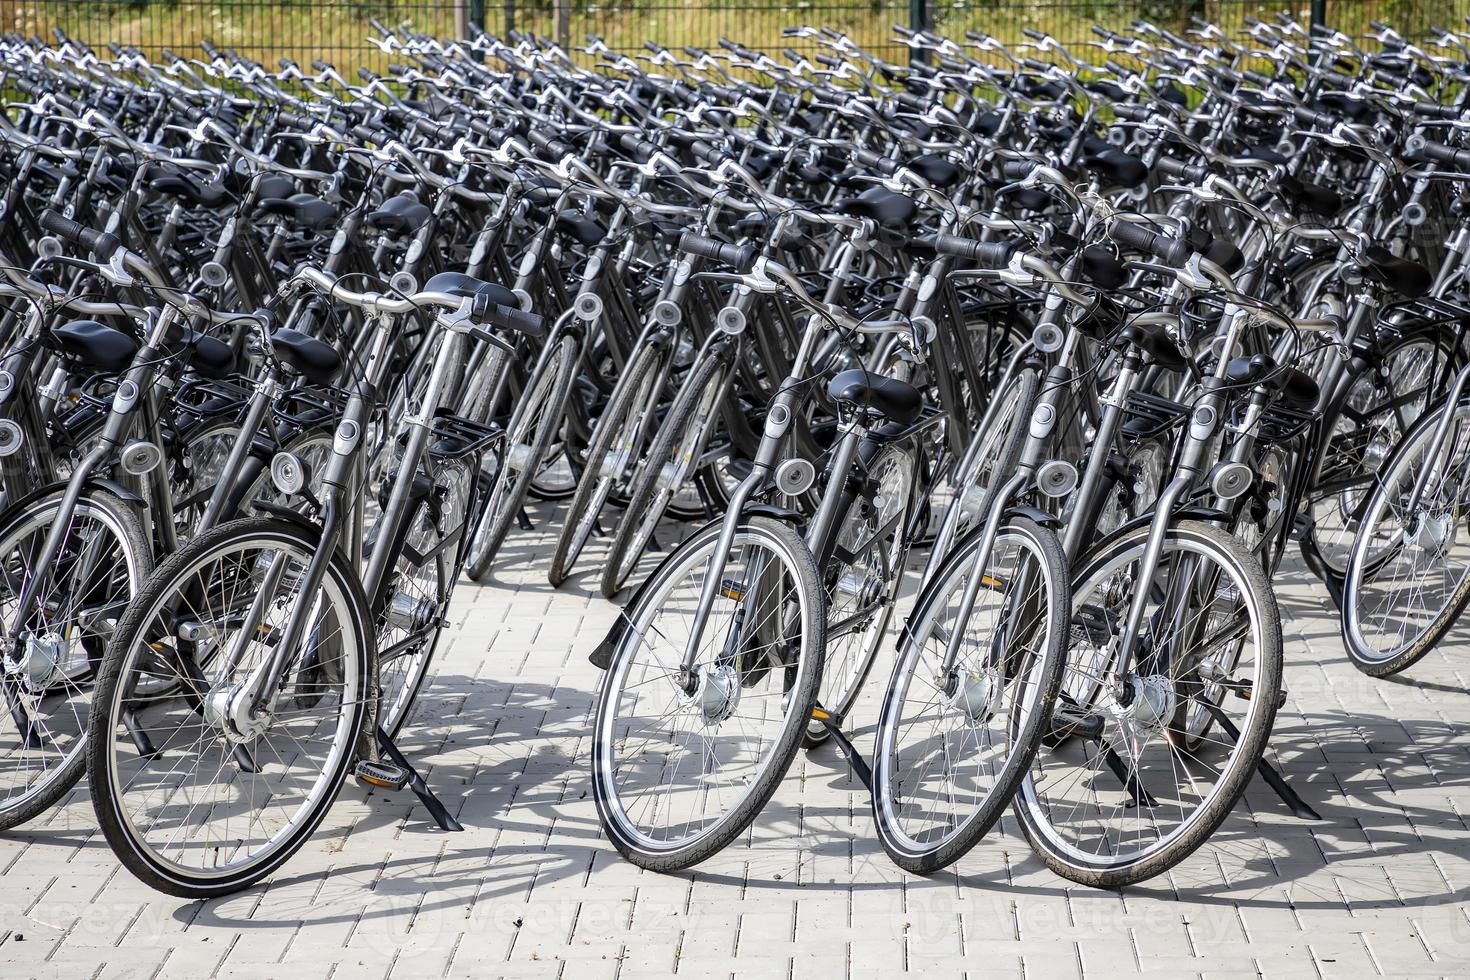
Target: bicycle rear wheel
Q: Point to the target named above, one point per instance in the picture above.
(48, 680)
(1408, 575)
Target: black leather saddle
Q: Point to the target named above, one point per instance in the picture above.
(460, 284)
(94, 344)
(881, 205)
(895, 400)
(307, 356)
(399, 216)
(306, 210)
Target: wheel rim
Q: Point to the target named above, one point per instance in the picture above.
(1079, 808)
(51, 683)
(652, 735)
(948, 749)
(1408, 566)
(190, 806)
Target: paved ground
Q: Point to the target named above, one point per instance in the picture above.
(1378, 887)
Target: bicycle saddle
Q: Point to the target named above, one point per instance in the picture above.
(307, 356)
(1154, 340)
(1261, 152)
(893, 399)
(1403, 276)
(935, 169)
(580, 228)
(1294, 387)
(94, 344)
(208, 355)
(178, 185)
(1117, 168)
(460, 284)
(1319, 200)
(306, 210)
(881, 205)
(399, 215)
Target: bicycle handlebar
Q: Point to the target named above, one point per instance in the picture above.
(99, 243)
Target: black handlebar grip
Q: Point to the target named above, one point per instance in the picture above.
(739, 256)
(1256, 78)
(1181, 169)
(99, 243)
(1033, 33)
(877, 161)
(792, 55)
(994, 255)
(530, 324)
(1018, 169)
(1132, 113)
(318, 64)
(1170, 251)
(1308, 117)
(1433, 110)
(549, 145)
(1452, 156)
(902, 31)
(828, 61)
(637, 145)
(707, 153)
(293, 120)
(911, 102)
(653, 48)
(368, 134)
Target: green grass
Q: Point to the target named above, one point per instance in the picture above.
(336, 30)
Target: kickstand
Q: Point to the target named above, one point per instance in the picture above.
(1268, 772)
(524, 520)
(860, 766)
(426, 796)
(1312, 555)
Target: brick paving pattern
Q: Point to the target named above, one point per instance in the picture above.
(1378, 887)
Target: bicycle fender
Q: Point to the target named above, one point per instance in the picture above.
(1191, 512)
(1034, 513)
(784, 514)
(601, 656)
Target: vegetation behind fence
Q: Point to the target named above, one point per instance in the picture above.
(335, 30)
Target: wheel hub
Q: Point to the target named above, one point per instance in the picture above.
(1150, 706)
(1433, 535)
(42, 660)
(228, 709)
(716, 692)
(976, 693)
(519, 457)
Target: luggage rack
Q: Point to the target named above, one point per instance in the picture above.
(1423, 310)
(202, 397)
(1154, 414)
(304, 406)
(455, 436)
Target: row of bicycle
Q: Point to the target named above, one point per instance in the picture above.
(1105, 337)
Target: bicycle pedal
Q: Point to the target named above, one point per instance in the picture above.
(1066, 723)
(381, 775)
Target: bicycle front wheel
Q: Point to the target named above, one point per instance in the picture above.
(956, 734)
(1131, 782)
(205, 778)
(682, 762)
(48, 679)
(1408, 575)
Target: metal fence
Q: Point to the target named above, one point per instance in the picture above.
(335, 30)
